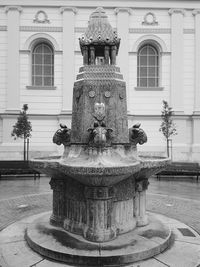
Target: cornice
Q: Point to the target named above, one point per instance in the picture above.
(147, 30)
(176, 11)
(196, 12)
(68, 8)
(123, 9)
(40, 29)
(17, 8)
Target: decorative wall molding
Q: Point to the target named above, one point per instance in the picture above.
(196, 12)
(80, 29)
(150, 38)
(68, 8)
(176, 11)
(41, 17)
(3, 28)
(123, 9)
(189, 31)
(40, 29)
(147, 30)
(40, 36)
(150, 19)
(9, 8)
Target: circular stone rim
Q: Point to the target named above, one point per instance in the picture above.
(81, 260)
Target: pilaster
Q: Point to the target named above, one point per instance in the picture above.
(140, 202)
(123, 33)
(68, 14)
(196, 14)
(13, 75)
(177, 52)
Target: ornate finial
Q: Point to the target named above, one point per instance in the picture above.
(99, 31)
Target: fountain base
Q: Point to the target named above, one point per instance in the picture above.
(60, 245)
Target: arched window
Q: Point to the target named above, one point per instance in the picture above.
(148, 66)
(43, 65)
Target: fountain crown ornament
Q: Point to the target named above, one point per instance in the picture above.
(100, 38)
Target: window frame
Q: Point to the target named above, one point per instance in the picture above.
(42, 86)
(159, 61)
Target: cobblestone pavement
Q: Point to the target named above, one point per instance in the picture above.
(181, 203)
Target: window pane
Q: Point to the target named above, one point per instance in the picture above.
(143, 72)
(47, 59)
(143, 51)
(38, 49)
(143, 82)
(38, 69)
(152, 60)
(47, 50)
(143, 60)
(151, 50)
(47, 70)
(151, 71)
(37, 59)
(38, 80)
(47, 81)
(151, 82)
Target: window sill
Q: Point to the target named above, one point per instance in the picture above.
(149, 88)
(32, 87)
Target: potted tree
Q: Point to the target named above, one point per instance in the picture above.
(22, 129)
(167, 127)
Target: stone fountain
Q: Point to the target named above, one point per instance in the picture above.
(99, 184)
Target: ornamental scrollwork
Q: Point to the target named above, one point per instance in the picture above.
(99, 134)
(41, 17)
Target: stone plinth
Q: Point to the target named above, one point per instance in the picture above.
(57, 244)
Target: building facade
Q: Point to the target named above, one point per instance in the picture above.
(159, 57)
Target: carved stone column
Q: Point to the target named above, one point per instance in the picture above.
(85, 55)
(113, 55)
(177, 59)
(99, 206)
(58, 187)
(92, 55)
(140, 202)
(68, 14)
(13, 78)
(106, 53)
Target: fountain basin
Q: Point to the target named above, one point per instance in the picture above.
(99, 199)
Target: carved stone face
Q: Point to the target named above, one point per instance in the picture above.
(99, 111)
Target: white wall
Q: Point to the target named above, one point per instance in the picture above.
(144, 106)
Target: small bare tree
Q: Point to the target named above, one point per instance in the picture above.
(167, 127)
(22, 129)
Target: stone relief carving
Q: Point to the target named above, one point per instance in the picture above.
(41, 17)
(99, 134)
(137, 135)
(62, 136)
(150, 19)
